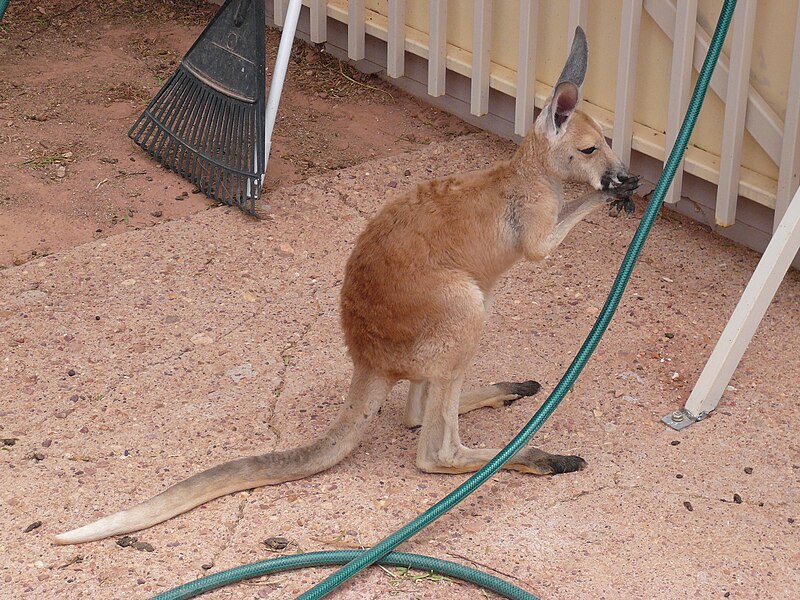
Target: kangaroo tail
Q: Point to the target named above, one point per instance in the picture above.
(367, 392)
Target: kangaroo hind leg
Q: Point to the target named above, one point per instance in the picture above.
(440, 449)
(492, 396)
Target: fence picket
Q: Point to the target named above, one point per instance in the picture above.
(525, 102)
(744, 20)
(626, 78)
(396, 42)
(680, 82)
(318, 15)
(481, 43)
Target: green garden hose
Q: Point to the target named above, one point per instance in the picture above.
(382, 549)
(340, 557)
(3, 7)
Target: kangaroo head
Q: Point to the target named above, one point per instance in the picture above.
(570, 143)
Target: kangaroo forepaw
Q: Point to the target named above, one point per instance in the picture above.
(620, 199)
(626, 187)
(617, 205)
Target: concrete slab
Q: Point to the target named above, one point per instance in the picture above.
(131, 362)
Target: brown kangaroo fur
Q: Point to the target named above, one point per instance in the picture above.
(415, 297)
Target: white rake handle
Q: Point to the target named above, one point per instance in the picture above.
(278, 76)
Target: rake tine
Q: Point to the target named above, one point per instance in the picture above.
(197, 130)
(159, 113)
(210, 146)
(244, 144)
(179, 123)
(201, 145)
(233, 155)
(144, 119)
(213, 150)
(224, 153)
(169, 120)
(188, 118)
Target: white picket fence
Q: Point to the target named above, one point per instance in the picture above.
(745, 108)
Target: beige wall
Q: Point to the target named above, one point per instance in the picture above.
(769, 72)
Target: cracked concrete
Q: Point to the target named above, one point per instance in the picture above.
(118, 373)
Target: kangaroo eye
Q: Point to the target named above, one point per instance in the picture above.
(589, 150)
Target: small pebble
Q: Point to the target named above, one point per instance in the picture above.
(790, 520)
(674, 442)
(47, 443)
(71, 372)
(669, 335)
(737, 498)
(407, 173)
(678, 476)
(126, 540)
(285, 250)
(207, 566)
(9, 441)
(143, 547)
(276, 543)
(688, 506)
(37, 456)
(157, 213)
(140, 581)
(392, 184)
(32, 526)
(748, 470)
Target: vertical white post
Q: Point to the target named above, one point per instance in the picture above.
(790, 153)
(318, 13)
(578, 15)
(279, 74)
(679, 83)
(629, 27)
(356, 29)
(526, 66)
(744, 20)
(279, 12)
(481, 44)
(396, 44)
(748, 313)
(437, 47)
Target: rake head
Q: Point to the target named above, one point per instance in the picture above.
(207, 122)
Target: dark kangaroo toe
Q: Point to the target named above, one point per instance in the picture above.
(566, 464)
(521, 389)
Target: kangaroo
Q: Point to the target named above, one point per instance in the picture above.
(415, 297)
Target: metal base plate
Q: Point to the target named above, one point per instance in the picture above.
(681, 419)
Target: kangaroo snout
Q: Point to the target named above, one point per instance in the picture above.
(613, 178)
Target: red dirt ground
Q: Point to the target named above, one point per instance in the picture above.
(75, 75)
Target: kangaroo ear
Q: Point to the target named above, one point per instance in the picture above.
(566, 92)
(575, 67)
(565, 99)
